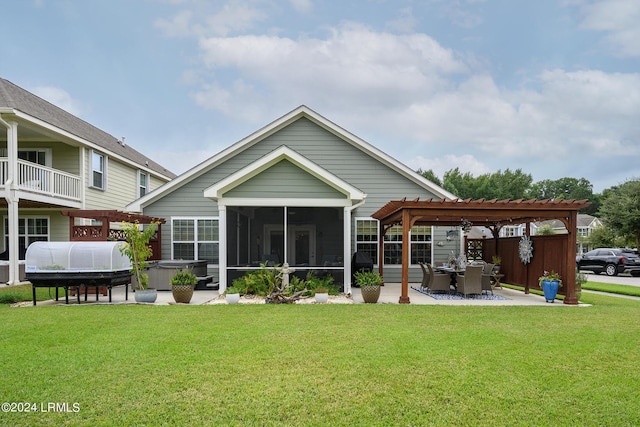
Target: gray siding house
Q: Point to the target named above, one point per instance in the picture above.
(301, 191)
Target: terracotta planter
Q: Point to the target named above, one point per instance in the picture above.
(182, 293)
(370, 293)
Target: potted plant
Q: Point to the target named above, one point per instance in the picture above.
(550, 282)
(369, 282)
(138, 251)
(232, 294)
(321, 295)
(496, 260)
(182, 284)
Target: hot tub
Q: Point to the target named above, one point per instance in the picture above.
(161, 271)
(77, 265)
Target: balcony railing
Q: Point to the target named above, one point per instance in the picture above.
(42, 180)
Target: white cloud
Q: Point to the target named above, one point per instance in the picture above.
(618, 19)
(410, 89)
(59, 97)
(302, 6)
(232, 17)
(355, 65)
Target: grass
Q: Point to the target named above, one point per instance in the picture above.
(23, 292)
(613, 288)
(324, 364)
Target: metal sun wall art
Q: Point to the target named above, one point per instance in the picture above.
(525, 248)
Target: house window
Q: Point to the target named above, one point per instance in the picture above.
(583, 231)
(143, 183)
(367, 241)
(98, 170)
(510, 231)
(195, 238)
(420, 237)
(393, 245)
(30, 229)
(367, 238)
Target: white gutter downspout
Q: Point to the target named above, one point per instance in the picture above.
(347, 243)
(12, 199)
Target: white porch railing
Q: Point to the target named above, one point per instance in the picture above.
(42, 180)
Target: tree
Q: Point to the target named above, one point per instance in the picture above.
(565, 188)
(620, 210)
(497, 185)
(431, 176)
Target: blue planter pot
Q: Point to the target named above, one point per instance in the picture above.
(550, 289)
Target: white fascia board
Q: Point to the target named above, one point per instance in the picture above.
(279, 202)
(217, 190)
(58, 131)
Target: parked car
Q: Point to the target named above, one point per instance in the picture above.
(610, 261)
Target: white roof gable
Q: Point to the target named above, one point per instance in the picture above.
(283, 153)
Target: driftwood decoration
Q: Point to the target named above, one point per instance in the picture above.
(280, 287)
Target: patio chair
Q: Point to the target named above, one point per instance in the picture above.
(471, 282)
(487, 276)
(438, 281)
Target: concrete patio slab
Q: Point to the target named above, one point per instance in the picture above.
(390, 294)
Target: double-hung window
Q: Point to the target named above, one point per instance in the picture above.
(195, 238)
(143, 183)
(98, 170)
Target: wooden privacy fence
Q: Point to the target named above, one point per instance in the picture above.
(549, 253)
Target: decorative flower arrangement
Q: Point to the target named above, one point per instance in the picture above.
(550, 276)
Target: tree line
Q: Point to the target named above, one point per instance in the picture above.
(618, 207)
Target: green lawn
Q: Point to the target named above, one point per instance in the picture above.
(324, 364)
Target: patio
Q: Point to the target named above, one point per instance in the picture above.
(388, 295)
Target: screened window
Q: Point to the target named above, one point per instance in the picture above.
(195, 238)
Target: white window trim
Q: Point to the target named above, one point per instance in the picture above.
(104, 172)
(139, 184)
(195, 234)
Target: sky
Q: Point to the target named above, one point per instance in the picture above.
(548, 87)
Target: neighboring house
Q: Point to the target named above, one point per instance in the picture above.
(586, 224)
(301, 191)
(50, 161)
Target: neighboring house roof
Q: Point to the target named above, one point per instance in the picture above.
(14, 99)
(583, 220)
(296, 114)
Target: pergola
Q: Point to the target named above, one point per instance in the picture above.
(104, 232)
(492, 214)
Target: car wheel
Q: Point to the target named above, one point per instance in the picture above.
(611, 270)
(635, 273)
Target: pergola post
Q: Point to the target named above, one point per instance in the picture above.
(406, 226)
(570, 283)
